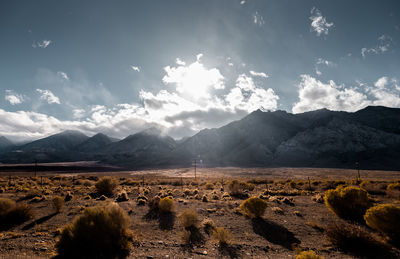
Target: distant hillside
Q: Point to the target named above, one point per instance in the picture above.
(320, 138)
(5, 143)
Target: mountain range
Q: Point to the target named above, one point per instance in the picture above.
(321, 138)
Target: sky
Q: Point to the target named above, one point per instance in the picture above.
(119, 67)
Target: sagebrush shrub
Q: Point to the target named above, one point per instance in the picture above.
(385, 218)
(222, 235)
(166, 205)
(58, 203)
(393, 186)
(209, 186)
(6, 205)
(348, 202)
(12, 213)
(308, 255)
(122, 196)
(106, 186)
(237, 188)
(354, 239)
(208, 226)
(254, 207)
(101, 232)
(189, 218)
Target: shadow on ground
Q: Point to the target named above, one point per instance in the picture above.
(274, 233)
(229, 250)
(38, 221)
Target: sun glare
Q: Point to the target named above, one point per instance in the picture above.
(194, 81)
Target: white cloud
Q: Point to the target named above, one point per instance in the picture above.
(313, 95)
(13, 98)
(321, 61)
(63, 75)
(248, 97)
(42, 44)
(258, 19)
(242, 2)
(78, 113)
(135, 68)
(382, 82)
(180, 62)
(319, 23)
(48, 96)
(259, 74)
(384, 44)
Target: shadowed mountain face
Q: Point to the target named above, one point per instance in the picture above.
(319, 138)
(5, 143)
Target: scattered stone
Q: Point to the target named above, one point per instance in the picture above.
(277, 210)
(68, 197)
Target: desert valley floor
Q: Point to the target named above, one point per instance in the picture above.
(295, 220)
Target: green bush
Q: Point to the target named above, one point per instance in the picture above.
(101, 232)
(106, 186)
(58, 203)
(254, 207)
(189, 218)
(12, 213)
(166, 205)
(348, 202)
(385, 218)
(308, 255)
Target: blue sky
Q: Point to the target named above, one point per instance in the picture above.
(119, 67)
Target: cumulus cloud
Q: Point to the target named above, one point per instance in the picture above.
(259, 74)
(258, 19)
(135, 68)
(382, 82)
(48, 96)
(384, 44)
(13, 98)
(63, 75)
(314, 94)
(319, 23)
(248, 97)
(41, 44)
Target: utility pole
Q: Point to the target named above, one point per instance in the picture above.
(195, 165)
(358, 170)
